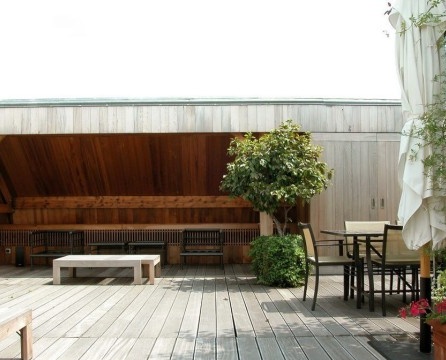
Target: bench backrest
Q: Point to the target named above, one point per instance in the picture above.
(202, 238)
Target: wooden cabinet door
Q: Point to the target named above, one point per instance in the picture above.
(388, 189)
(364, 186)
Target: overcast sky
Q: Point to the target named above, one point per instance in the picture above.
(196, 49)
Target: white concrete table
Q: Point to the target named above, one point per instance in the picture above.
(142, 265)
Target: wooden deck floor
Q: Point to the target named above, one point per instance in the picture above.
(194, 313)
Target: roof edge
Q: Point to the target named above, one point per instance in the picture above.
(50, 102)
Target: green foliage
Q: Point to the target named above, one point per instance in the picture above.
(432, 134)
(278, 260)
(276, 169)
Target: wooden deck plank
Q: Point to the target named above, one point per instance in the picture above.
(174, 320)
(312, 348)
(77, 348)
(225, 322)
(294, 322)
(208, 318)
(120, 349)
(191, 319)
(84, 313)
(290, 348)
(354, 347)
(258, 319)
(242, 321)
(57, 349)
(269, 348)
(104, 302)
(44, 323)
(130, 311)
(98, 349)
(162, 349)
(157, 320)
(108, 317)
(364, 342)
(184, 349)
(247, 348)
(205, 348)
(141, 349)
(274, 318)
(334, 349)
(112, 309)
(139, 322)
(306, 315)
(226, 348)
(39, 347)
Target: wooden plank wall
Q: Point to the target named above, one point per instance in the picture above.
(187, 116)
(358, 136)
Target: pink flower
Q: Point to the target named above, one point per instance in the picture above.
(403, 313)
(418, 307)
(441, 307)
(422, 307)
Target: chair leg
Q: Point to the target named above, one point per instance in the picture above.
(316, 288)
(404, 281)
(359, 284)
(352, 281)
(383, 291)
(391, 282)
(306, 280)
(346, 281)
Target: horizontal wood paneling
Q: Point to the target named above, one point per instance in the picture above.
(135, 216)
(130, 202)
(115, 165)
(177, 149)
(329, 116)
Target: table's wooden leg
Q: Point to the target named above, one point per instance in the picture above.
(158, 270)
(137, 271)
(151, 273)
(27, 342)
(145, 271)
(56, 274)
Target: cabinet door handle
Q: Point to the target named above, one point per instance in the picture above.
(382, 203)
(373, 203)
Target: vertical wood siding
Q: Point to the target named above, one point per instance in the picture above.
(333, 117)
(360, 140)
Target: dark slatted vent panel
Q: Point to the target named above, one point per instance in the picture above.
(171, 236)
(239, 236)
(14, 237)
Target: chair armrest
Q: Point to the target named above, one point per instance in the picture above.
(325, 242)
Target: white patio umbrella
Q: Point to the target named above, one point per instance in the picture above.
(419, 60)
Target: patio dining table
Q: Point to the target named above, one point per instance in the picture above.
(368, 238)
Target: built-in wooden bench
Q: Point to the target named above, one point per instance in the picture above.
(12, 321)
(201, 242)
(149, 247)
(141, 264)
(237, 239)
(116, 247)
(55, 243)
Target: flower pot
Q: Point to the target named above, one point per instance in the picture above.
(439, 338)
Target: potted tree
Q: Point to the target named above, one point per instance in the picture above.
(274, 172)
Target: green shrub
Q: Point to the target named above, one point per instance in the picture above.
(278, 260)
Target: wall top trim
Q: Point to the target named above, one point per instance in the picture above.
(14, 103)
